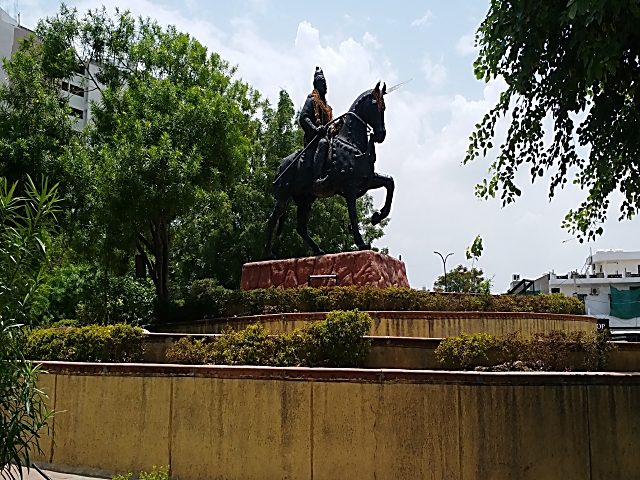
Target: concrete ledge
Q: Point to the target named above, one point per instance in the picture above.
(427, 324)
(344, 374)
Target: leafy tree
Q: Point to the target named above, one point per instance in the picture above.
(35, 127)
(474, 251)
(561, 60)
(173, 129)
(26, 223)
(461, 279)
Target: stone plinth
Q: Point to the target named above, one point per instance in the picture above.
(352, 268)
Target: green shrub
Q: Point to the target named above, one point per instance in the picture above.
(336, 341)
(85, 293)
(188, 351)
(210, 300)
(465, 350)
(161, 473)
(93, 343)
(551, 351)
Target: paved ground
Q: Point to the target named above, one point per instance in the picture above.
(34, 475)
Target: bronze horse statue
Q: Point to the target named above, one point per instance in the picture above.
(349, 169)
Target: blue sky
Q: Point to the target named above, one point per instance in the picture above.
(276, 44)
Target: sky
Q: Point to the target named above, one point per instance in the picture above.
(277, 43)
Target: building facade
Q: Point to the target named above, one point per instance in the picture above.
(604, 269)
(80, 90)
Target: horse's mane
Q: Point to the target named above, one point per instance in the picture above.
(354, 105)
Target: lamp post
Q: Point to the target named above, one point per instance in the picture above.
(444, 264)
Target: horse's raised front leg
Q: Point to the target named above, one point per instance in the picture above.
(350, 195)
(278, 211)
(387, 182)
(304, 209)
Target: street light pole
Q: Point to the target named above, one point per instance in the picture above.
(444, 265)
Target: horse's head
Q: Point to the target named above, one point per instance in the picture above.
(370, 107)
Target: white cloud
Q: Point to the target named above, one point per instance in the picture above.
(422, 20)
(465, 45)
(434, 73)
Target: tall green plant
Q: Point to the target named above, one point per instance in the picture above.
(25, 224)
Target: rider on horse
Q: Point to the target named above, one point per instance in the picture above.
(315, 115)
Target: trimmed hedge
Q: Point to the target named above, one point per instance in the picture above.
(208, 300)
(337, 341)
(542, 352)
(93, 343)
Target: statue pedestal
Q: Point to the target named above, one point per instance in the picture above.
(351, 268)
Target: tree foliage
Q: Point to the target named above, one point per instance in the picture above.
(172, 128)
(561, 60)
(463, 280)
(474, 251)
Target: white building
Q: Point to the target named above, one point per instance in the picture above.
(603, 270)
(10, 33)
(79, 89)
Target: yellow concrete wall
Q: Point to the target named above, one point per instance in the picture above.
(411, 324)
(112, 423)
(269, 423)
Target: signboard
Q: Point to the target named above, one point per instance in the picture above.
(603, 324)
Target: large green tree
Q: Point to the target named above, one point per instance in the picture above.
(575, 64)
(463, 280)
(172, 130)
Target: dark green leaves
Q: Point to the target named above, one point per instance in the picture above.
(561, 60)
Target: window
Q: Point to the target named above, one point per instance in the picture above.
(79, 70)
(76, 90)
(77, 113)
(555, 290)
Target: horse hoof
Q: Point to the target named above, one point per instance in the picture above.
(376, 218)
(364, 246)
(319, 252)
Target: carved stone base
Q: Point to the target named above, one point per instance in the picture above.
(351, 268)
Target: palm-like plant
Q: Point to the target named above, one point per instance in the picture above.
(26, 222)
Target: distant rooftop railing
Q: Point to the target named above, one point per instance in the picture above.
(595, 275)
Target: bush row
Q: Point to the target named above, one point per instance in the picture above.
(554, 351)
(337, 341)
(93, 343)
(208, 300)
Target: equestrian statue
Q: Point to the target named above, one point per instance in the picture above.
(338, 158)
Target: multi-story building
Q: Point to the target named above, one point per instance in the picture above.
(605, 284)
(80, 89)
(10, 33)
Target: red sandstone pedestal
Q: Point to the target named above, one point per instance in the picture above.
(352, 268)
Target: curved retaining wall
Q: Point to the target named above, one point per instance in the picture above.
(406, 353)
(296, 423)
(406, 324)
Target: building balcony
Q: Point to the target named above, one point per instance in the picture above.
(625, 277)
